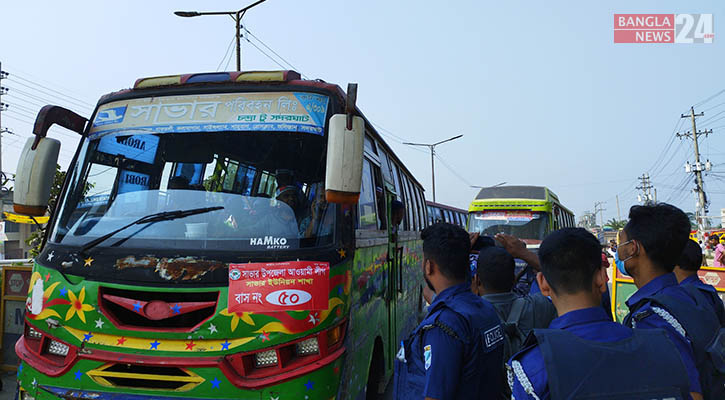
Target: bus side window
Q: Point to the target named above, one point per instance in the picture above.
(422, 207)
(417, 214)
(408, 204)
(380, 198)
(367, 217)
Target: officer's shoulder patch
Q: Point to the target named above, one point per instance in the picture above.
(427, 355)
(493, 336)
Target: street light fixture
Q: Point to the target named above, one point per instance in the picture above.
(236, 15)
(487, 187)
(432, 147)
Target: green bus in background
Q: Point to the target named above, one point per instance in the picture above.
(219, 236)
(527, 212)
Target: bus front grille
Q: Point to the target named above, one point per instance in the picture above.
(145, 377)
(157, 311)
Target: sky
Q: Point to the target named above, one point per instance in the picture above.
(539, 90)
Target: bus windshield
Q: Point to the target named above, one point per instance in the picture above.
(527, 225)
(270, 185)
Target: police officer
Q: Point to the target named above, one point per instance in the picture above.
(584, 354)
(649, 246)
(686, 273)
(457, 351)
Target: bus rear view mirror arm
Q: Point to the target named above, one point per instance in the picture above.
(49, 115)
(343, 172)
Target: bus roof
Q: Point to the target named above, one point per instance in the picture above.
(154, 85)
(514, 192)
(447, 207)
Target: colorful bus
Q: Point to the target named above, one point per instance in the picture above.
(527, 212)
(219, 236)
(442, 213)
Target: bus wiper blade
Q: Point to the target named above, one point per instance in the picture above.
(151, 218)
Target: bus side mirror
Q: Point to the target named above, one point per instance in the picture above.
(36, 167)
(35, 175)
(343, 174)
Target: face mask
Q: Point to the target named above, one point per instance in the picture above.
(620, 263)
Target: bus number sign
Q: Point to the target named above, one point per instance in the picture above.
(283, 286)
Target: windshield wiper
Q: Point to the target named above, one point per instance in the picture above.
(148, 219)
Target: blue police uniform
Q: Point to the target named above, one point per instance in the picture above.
(689, 323)
(711, 293)
(584, 351)
(455, 353)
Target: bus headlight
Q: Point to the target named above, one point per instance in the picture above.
(265, 358)
(57, 348)
(33, 334)
(307, 347)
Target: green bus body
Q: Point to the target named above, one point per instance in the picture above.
(96, 305)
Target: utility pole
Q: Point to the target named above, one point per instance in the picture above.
(697, 168)
(619, 214)
(646, 187)
(432, 147)
(3, 107)
(598, 209)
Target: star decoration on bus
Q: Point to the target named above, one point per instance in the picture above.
(264, 336)
(225, 345)
(312, 319)
(137, 306)
(87, 336)
(215, 383)
(212, 328)
(34, 382)
(121, 341)
(154, 345)
(99, 323)
(176, 309)
(50, 256)
(63, 291)
(190, 345)
(309, 385)
(47, 277)
(341, 252)
(78, 375)
(88, 261)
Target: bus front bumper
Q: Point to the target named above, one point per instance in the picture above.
(100, 374)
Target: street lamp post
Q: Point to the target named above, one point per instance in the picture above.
(432, 147)
(236, 15)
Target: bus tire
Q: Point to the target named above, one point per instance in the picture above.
(376, 372)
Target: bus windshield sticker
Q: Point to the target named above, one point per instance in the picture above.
(271, 111)
(281, 286)
(510, 215)
(135, 147)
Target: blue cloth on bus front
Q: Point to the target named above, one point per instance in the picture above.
(556, 365)
(710, 293)
(664, 284)
(455, 353)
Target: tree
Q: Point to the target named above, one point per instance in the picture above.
(36, 238)
(693, 220)
(616, 224)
